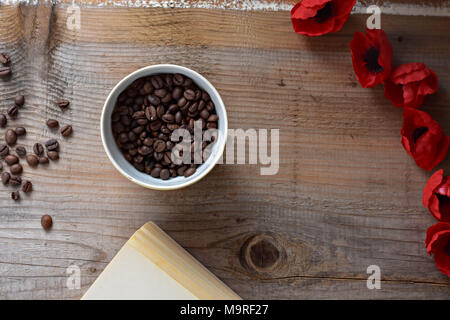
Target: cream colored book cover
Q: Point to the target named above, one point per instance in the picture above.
(151, 265)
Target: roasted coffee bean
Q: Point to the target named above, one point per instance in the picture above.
(164, 174)
(3, 120)
(205, 96)
(63, 103)
(4, 150)
(187, 83)
(5, 178)
(15, 195)
(11, 159)
(150, 113)
(155, 172)
(27, 186)
(13, 111)
(204, 114)
(177, 93)
(147, 113)
(21, 131)
(52, 123)
(43, 160)
(144, 150)
(161, 93)
(66, 130)
(32, 160)
(19, 100)
(15, 181)
(173, 108)
(178, 79)
(154, 100)
(189, 94)
(5, 58)
(157, 82)
(46, 222)
(5, 71)
(21, 151)
(189, 172)
(52, 145)
(159, 145)
(16, 168)
(168, 118)
(53, 155)
(38, 149)
(213, 118)
(1, 166)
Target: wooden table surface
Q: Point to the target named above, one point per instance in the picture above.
(346, 196)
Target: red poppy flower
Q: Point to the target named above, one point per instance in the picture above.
(371, 57)
(438, 244)
(423, 138)
(409, 84)
(317, 17)
(436, 196)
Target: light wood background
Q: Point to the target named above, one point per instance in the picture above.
(346, 196)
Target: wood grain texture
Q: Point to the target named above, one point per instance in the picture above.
(346, 196)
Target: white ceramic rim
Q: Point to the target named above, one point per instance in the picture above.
(153, 183)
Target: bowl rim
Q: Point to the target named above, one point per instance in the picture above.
(148, 71)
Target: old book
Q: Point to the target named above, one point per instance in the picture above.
(151, 265)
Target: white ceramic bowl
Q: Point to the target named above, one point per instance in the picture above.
(141, 178)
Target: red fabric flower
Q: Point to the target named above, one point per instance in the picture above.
(317, 17)
(436, 196)
(438, 244)
(371, 57)
(423, 138)
(409, 84)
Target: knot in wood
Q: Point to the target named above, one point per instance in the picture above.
(261, 253)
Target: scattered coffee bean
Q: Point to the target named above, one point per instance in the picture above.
(3, 120)
(27, 186)
(38, 149)
(5, 71)
(10, 136)
(19, 100)
(21, 151)
(149, 110)
(21, 131)
(52, 145)
(5, 178)
(53, 155)
(5, 58)
(11, 159)
(43, 160)
(63, 103)
(15, 195)
(66, 130)
(46, 221)
(4, 150)
(52, 123)
(16, 168)
(32, 160)
(1, 166)
(15, 181)
(13, 111)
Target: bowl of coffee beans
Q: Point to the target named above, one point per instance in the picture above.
(164, 127)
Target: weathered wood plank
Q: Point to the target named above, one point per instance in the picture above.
(346, 196)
